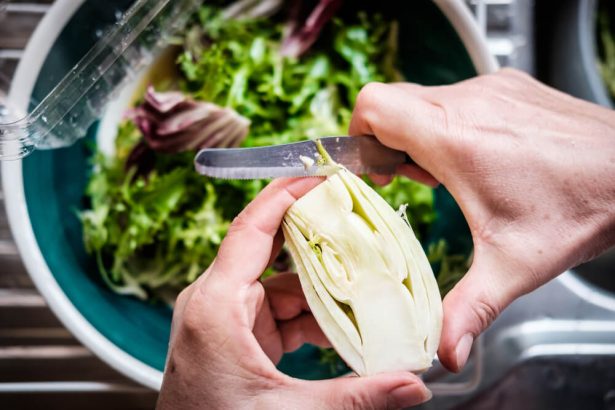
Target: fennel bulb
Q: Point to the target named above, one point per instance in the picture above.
(365, 276)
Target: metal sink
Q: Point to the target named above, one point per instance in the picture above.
(553, 348)
(600, 272)
(559, 382)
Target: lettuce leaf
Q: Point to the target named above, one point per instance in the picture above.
(153, 235)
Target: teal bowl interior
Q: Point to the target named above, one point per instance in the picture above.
(54, 183)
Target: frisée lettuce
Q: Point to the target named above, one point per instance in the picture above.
(154, 227)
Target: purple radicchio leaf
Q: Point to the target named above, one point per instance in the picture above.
(303, 29)
(171, 122)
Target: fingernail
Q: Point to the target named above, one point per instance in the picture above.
(462, 351)
(410, 395)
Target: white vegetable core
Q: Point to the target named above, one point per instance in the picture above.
(365, 276)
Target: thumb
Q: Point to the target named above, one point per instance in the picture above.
(471, 306)
(383, 391)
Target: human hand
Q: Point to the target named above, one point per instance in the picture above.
(532, 169)
(229, 329)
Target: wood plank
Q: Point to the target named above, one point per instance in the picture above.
(21, 298)
(33, 336)
(12, 317)
(13, 274)
(16, 28)
(104, 400)
(52, 363)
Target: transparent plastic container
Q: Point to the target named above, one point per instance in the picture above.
(123, 50)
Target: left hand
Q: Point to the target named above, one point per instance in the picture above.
(229, 329)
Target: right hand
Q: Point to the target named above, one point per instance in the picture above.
(532, 169)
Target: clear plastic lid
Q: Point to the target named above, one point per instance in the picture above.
(65, 114)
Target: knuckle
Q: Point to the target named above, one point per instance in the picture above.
(238, 223)
(194, 317)
(485, 312)
(182, 297)
(245, 224)
(359, 400)
(258, 293)
(367, 101)
(370, 92)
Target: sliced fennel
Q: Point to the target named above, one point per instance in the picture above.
(366, 277)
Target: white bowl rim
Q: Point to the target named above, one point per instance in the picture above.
(19, 220)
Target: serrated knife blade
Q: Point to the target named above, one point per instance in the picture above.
(361, 155)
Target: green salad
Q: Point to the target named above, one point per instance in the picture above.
(254, 75)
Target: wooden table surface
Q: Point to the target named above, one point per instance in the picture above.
(41, 363)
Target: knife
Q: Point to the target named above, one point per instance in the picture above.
(361, 155)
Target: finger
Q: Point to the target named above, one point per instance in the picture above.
(418, 174)
(300, 330)
(400, 119)
(383, 391)
(286, 299)
(471, 306)
(247, 247)
(267, 334)
(289, 307)
(381, 180)
(278, 242)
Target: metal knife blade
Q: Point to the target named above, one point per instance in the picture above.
(361, 155)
